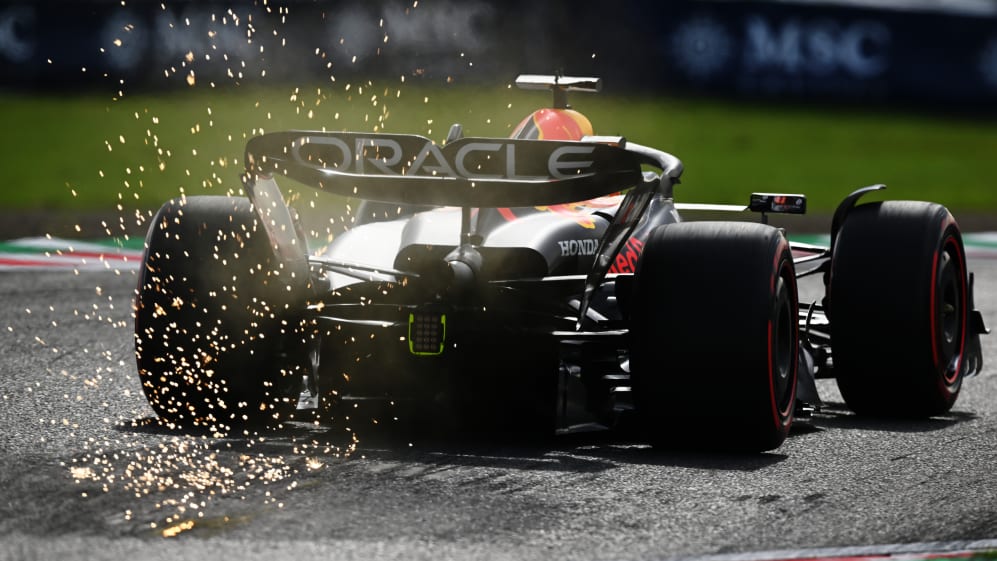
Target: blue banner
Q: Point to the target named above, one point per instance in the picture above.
(767, 50)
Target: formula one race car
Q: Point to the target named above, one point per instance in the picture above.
(473, 285)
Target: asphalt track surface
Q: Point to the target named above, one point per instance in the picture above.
(84, 474)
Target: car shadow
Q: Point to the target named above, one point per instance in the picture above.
(585, 452)
(837, 416)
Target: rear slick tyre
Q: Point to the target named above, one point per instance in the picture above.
(715, 346)
(898, 305)
(211, 315)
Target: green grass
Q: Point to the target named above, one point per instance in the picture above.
(95, 153)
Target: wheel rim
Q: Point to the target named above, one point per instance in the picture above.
(783, 344)
(950, 310)
(950, 303)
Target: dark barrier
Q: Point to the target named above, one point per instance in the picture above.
(758, 49)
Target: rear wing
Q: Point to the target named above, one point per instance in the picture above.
(469, 172)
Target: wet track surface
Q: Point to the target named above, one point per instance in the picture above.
(84, 474)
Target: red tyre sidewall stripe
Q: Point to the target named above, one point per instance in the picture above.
(964, 313)
(960, 262)
(782, 418)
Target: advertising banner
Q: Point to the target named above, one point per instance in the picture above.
(744, 49)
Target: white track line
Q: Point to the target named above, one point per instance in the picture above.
(906, 550)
